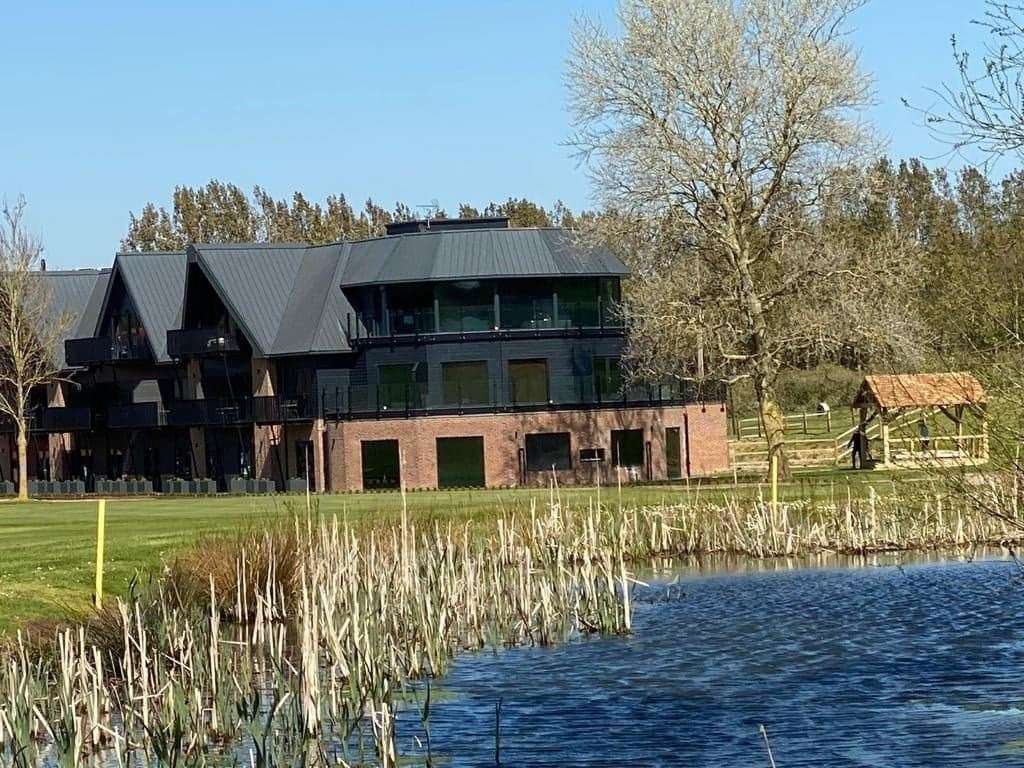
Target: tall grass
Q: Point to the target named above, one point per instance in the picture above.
(298, 645)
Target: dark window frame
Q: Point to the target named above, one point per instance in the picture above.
(485, 381)
(617, 445)
(543, 462)
(513, 395)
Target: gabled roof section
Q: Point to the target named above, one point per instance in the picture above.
(72, 292)
(254, 280)
(156, 286)
(314, 316)
(474, 254)
(920, 390)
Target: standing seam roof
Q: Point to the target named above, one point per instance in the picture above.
(156, 284)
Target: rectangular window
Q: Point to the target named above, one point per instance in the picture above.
(465, 383)
(607, 378)
(402, 386)
(460, 462)
(527, 304)
(410, 309)
(548, 450)
(592, 454)
(528, 381)
(628, 447)
(577, 303)
(381, 466)
(464, 306)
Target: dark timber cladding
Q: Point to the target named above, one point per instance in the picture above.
(448, 353)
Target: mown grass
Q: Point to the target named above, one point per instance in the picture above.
(47, 548)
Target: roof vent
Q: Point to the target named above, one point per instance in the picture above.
(432, 225)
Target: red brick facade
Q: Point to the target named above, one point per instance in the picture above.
(704, 449)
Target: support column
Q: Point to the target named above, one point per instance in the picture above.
(317, 435)
(268, 459)
(58, 443)
(196, 435)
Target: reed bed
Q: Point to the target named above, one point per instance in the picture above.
(302, 646)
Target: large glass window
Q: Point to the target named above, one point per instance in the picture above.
(410, 309)
(548, 451)
(402, 385)
(381, 465)
(465, 383)
(577, 303)
(460, 462)
(628, 447)
(528, 381)
(467, 305)
(609, 291)
(527, 304)
(607, 378)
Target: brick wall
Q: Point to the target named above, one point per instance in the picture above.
(504, 437)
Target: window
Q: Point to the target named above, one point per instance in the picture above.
(410, 309)
(467, 305)
(577, 303)
(547, 451)
(460, 462)
(607, 378)
(628, 447)
(527, 304)
(591, 454)
(380, 464)
(528, 381)
(465, 383)
(402, 386)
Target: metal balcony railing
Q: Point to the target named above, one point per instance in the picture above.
(200, 341)
(136, 415)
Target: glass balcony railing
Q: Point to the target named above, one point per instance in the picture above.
(103, 349)
(200, 341)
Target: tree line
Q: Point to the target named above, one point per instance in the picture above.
(219, 212)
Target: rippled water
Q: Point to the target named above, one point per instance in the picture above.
(877, 665)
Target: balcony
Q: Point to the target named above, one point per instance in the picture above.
(472, 323)
(200, 341)
(136, 416)
(578, 392)
(272, 409)
(62, 420)
(103, 349)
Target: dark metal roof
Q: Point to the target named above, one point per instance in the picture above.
(312, 318)
(156, 284)
(427, 225)
(254, 280)
(474, 254)
(70, 293)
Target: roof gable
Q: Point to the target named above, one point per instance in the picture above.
(255, 282)
(155, 283)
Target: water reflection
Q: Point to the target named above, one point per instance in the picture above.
(886, 660)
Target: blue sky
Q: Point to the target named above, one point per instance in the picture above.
(105, 106)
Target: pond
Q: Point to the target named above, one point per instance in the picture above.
(875, 663)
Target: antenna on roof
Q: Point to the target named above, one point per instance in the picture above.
(432, 210)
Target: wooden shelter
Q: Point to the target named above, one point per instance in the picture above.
(924, 419)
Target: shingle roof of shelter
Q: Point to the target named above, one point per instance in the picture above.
(920, 390)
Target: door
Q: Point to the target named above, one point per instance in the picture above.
(673, 453)
(460, 462)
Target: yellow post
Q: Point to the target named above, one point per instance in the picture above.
(775, 483)
(101, 525)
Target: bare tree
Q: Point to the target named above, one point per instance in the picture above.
(30, 329)
(715, 129)
(985, 108)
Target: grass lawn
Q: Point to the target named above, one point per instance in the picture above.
(47, 548)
